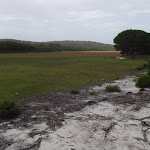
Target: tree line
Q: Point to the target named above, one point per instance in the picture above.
(67, 45)
(133, 42)
(15, 47)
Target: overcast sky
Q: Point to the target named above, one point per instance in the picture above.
(86, 20)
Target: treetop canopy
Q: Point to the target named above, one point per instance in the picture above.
(132, 42)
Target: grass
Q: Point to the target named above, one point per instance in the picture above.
(34, 75)
(112, 88)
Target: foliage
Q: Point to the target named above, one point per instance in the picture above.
(132, 42)
(143, 81)
(112, 88)
(74, 92)
(8, 110)
(14, 47)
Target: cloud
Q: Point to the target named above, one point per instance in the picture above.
(98, 20)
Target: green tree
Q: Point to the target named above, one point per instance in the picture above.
(131, 42)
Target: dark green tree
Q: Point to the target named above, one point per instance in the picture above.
(132, 42)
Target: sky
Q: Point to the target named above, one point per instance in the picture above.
(85, 20)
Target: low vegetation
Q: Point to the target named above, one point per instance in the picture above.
(92, 93)
(143, 81)
(38, 74)
(8, 110)
(112, 88)
(141, 67)
(75, 92)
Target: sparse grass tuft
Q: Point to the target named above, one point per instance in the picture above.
(112, 88)
(8, 110)
(75, 92)
(141, 67)
(92, 93)
(46, 108)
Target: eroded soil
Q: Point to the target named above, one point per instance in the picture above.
(97, 121)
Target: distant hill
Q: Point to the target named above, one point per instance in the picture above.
(86, 44)
(55, 46)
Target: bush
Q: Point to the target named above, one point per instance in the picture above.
(74, 92)
(142, 67)
(143, 81)
(8, 110)
(92, 93)
(148, 72)
(112, 88)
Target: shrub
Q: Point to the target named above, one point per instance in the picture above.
(143, 81)
(148, 72)
(8, 110)
(46, 108)
(74, 92)
(142, 67)
(112, 88)
(92, 93)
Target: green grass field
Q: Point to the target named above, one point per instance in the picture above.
(34, 75)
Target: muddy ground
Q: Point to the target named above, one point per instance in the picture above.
(55, 120)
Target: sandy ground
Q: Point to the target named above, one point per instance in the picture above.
(104, 121)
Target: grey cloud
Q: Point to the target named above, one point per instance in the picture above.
(99, 20)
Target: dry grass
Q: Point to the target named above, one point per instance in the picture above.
(67, 53)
